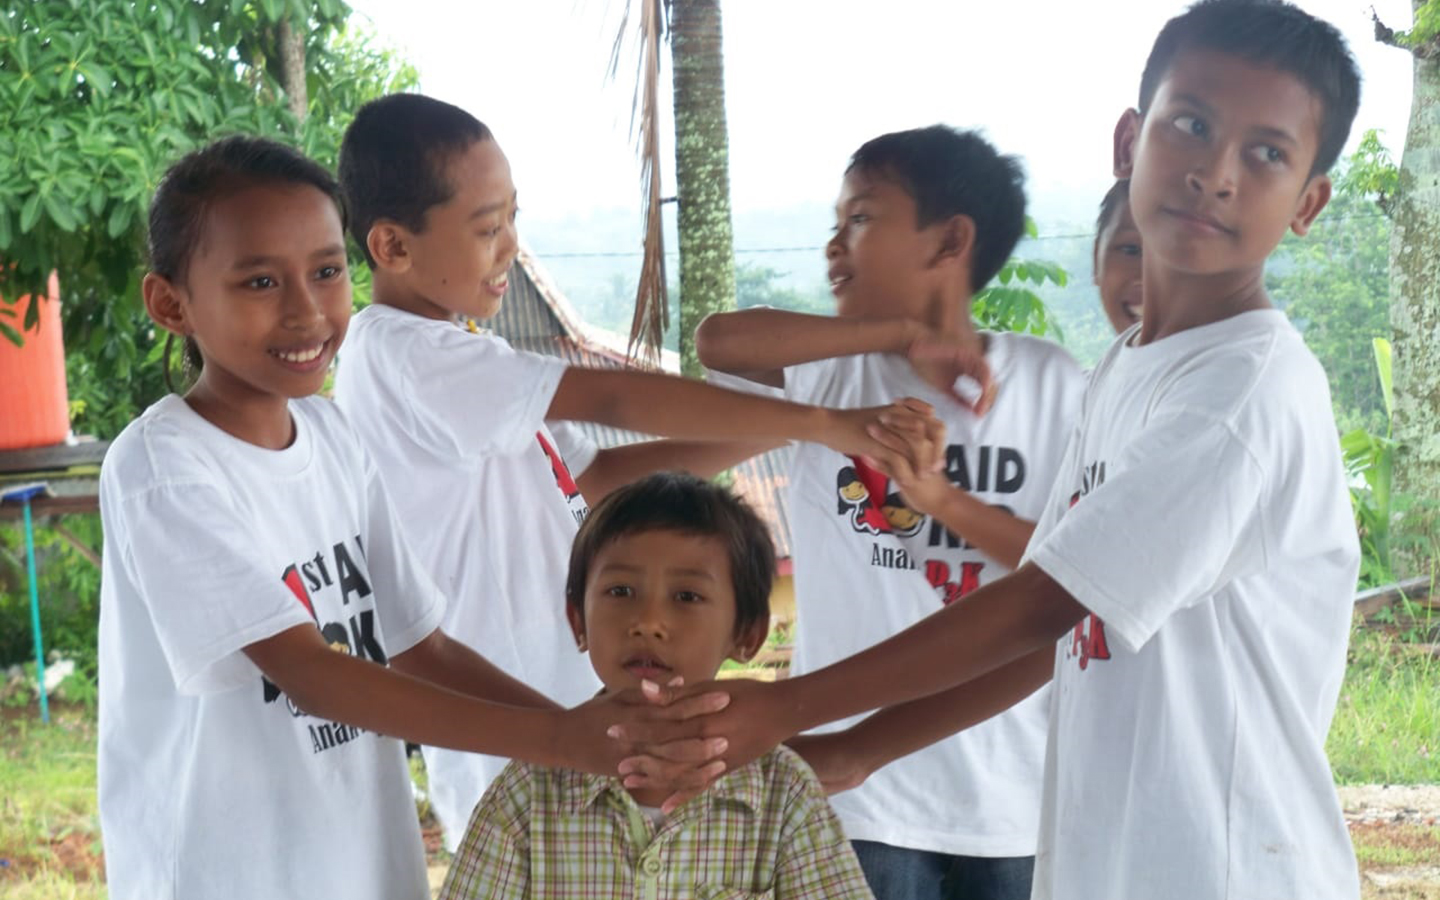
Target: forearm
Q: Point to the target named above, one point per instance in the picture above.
(767, 340)
(998, 624)
(683, 408)
(619, 466)
(998, 534)
(444, 661)
(343, 688)
(898, 731)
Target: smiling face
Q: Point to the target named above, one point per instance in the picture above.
(1117, 268)
(661, 604)
(266, 296)
(1220, 165)
(879, 260)
(460, 263)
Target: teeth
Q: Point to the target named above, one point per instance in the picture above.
(300, 356)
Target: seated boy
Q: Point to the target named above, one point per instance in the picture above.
(669, 576)
(924, 220)
(457, 421)
(1197, 554)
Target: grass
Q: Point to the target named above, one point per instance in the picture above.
(1387, 721)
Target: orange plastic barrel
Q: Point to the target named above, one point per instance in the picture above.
(34, 404)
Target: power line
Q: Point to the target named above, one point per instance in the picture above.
(1087, 235)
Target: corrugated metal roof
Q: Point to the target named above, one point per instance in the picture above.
(535, 316)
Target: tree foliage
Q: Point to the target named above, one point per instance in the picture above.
(97, 97)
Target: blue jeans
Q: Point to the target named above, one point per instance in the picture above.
(898, 873)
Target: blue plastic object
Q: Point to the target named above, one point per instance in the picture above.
(23, 494)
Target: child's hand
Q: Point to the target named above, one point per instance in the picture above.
(693, 758)
(751, 725)
(943, 362)
(854, 431)
(830, 756)
(915, 464)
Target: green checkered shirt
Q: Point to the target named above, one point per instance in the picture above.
(762, 831)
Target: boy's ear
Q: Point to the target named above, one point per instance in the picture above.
(957, 239)
(387, 244)
(1312, 200)
(576, 617)
(164, 303)
(749, 641)
(1127, 135)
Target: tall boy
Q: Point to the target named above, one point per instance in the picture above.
(1197, 553)
(456, 420)
(925, 218)
(669, 577)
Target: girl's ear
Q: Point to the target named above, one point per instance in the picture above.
(749, 641)
(165, 303)
(387, 244)
(576, 617)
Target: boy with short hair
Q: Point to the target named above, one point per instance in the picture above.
(925, 219)
(1197, 554)
(456, 421)
(669, 576)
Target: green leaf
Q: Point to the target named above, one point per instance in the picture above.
(30, 213)
(60, 212)
(119, 220)
(11, 335)
(6, 236)
(1387, 383)
(97, 77)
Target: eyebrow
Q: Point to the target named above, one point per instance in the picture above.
(489, 208)
(627, 567)
(260, 259)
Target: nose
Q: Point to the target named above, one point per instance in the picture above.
(834, 247)
(649, 622)
(302, 307)
(1215, 173)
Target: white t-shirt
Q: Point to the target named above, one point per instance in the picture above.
(212, 783)
(1202, 517)
(867, 567)
(456, 424)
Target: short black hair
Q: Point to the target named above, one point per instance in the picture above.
(393, 159)
(196, 181)
(950, 172)
(1116, 197)
(1269, 33)
(676, 501)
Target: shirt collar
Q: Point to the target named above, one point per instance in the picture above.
(745, 786)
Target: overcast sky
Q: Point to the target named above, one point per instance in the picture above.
(809, 80)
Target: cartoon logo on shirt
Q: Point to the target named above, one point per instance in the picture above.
(1088, 641)
(857, 485)
(355, 637)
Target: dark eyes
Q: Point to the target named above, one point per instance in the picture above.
(1193, 125)
(1129, 249)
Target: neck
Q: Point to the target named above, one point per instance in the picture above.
(654, 797)
(262, 420)
(387, 292)
(1178, 301)
(950, 323)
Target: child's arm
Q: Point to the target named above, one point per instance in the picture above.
(692, 410)
(357, 692)
(444, 661)
(618, 466)
(844, 759)
(493, 860)
(758, 344)
(1003, 621)
(814, 861)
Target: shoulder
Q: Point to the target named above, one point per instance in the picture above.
(164, 446)
(789, 779)
(1253, 362)
(1034, 356)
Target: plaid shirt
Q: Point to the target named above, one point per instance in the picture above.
(762, 831)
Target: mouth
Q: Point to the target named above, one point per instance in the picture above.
(649, 666)
(838, 281)
(496, 286)
(1133, 310)
(1200, 222)
(306, 358)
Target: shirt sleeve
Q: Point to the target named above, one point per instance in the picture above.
(409, 605)
(1173, 519)
(493, 860)
(574, 445)
(816, 860)
(475, 395)
(188, 550)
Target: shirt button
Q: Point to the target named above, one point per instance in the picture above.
(650, 865)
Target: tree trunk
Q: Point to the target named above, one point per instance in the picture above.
(292, 69)
(702, 170)
(1415, 305)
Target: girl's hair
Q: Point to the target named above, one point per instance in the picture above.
(200, 178)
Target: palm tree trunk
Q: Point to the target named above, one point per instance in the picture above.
(292, 68)
(1415, 297)
(702, 170)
